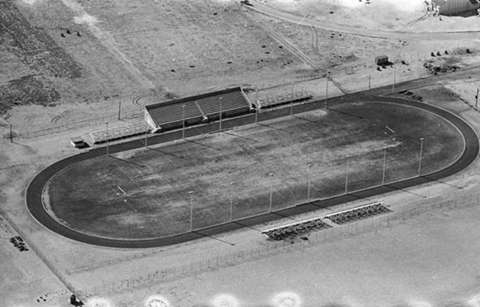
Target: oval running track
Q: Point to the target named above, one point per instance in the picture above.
(35, 189)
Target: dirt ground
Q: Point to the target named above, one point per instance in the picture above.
(97, 54)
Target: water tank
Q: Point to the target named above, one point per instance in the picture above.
(456, 7)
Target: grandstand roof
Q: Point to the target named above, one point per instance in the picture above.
(198, 107)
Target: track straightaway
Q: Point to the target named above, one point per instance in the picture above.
(38, 211)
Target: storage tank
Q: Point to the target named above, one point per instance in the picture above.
(457, 7)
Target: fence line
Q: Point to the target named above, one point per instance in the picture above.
(268, 248)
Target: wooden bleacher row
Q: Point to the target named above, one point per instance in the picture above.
(293, 230)
(358, 213)
(118, 133)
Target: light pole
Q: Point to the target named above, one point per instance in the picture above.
(11, 133)
(107, 138)
(270, 200)
(293, 98)
(346, 177)
(191, 210)
(183, 121)
(308, 186)
(420, 157)
(369, 82)
(146, 138)
(326, 90)
(394, 78)
(119, 109)
(384, 168)
(221, 110)
(476, 98)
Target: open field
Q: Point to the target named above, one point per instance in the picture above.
(142, 194)
(67, 66)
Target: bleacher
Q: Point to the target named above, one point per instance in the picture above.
(358, 213)
(115, 133)
(196, 109)
(296, 229)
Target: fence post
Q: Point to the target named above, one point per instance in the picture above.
(11, 134)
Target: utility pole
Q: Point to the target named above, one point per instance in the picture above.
(107, 138)
(346, 177)
(384, 168)
(308, 187)
(476, 98)
(146, 139)
(270, 200)
(11, 134)
(326, 90)
(394, 78)
(119, 109)
(420, 157)
(191, 211)
(256, 104)
(221, 110)
(183, 121)
(293, 98)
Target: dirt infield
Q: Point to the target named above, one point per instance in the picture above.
(119, 197)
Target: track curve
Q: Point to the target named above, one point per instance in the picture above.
(35, 189)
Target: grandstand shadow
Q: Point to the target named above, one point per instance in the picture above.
(204, 145)
(443, 182)
(168, 153)
(395, 188)
(205, 234)
(274, 128)
(349, 114)
(128, 162)
(241, 136)
(306, 119)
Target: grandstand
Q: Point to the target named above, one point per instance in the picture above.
(197, 109)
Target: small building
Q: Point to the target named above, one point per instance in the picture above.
(382, 60)
(196, 109)
(456, 7)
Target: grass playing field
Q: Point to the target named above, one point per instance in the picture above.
(149, 193)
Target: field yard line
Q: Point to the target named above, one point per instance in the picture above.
(107, 40)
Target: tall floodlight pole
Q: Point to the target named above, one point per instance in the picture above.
(293, 98)
(476, 98)
(270, 200)
(394, 78)
(346, 176)
(384, 168)
(183, 121)
(220, 110)
(420, 157)
(191, 211)
(11, 133)
(308, 186)
(146, 139)
(107, 138)
(326, 87)
(119, 109)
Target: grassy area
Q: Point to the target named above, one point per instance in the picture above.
(148, 193)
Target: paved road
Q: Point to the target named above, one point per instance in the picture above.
(34, 191)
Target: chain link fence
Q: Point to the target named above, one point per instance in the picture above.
(269, 248)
